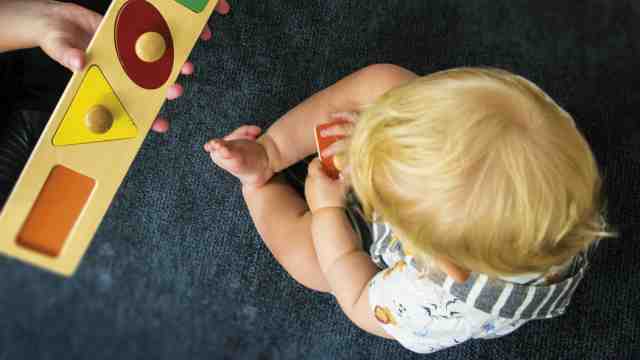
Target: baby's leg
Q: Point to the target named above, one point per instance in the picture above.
(291, 138)
(279, 213)
(283, 220)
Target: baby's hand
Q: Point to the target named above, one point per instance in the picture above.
(342, 129)
(321, 190)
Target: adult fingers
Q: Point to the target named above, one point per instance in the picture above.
(206, 33)
(160, 125)
(188, 68)
(174, 91)
(62, 51)
(223, 7)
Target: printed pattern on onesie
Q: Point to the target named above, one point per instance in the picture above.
(421, 315)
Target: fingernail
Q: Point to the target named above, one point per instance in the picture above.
(225, 9)
(75, 64)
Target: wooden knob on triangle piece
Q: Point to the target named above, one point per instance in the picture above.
(150, 47)
(99, 119)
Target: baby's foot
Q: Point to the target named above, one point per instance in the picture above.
(242, 156)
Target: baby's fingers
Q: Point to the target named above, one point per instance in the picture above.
(315, 168)
(338, 129)
(335, 148)
(349, 116)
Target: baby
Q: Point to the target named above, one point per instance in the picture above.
(482, 197)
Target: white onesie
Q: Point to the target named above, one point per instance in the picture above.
(426, 311)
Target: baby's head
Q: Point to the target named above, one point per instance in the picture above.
(481, 167)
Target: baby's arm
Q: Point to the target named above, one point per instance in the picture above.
(291, 139)
(347, 269)
(345, 265)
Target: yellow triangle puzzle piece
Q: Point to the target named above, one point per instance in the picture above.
(94, 91)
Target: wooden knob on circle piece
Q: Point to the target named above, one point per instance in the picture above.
(150, 47)
(99, 119)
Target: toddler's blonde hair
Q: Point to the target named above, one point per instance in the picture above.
(479, 166)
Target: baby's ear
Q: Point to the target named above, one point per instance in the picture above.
(457, 273)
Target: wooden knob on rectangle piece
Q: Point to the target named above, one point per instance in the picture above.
(150, 47)
(99, 119)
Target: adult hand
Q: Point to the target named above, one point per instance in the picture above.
(64, 30)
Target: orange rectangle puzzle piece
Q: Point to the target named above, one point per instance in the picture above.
(55, 211)
(323, 142)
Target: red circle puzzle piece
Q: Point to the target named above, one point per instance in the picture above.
(136, 18)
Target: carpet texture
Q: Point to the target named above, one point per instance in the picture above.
(177, 270)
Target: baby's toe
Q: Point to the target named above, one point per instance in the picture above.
(253, 130)
(210, 145)
(246, 132)
(217, 148)
(222, 150)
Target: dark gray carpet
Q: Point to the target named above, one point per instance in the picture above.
(177, 270)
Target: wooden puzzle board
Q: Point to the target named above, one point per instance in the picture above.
(84, 174)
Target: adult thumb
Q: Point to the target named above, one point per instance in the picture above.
(65, 54)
